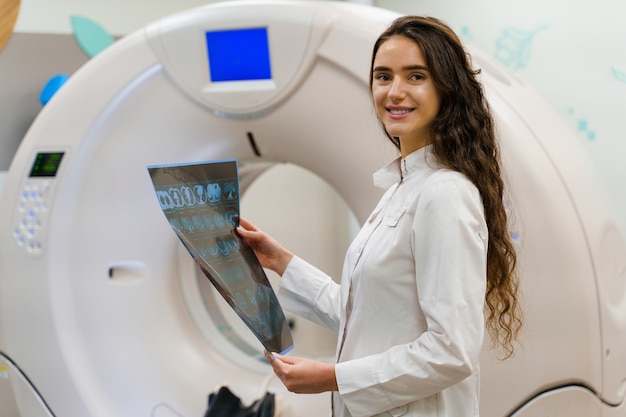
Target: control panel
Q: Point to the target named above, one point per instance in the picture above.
(34, 202)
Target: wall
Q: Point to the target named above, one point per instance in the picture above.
(118, 16)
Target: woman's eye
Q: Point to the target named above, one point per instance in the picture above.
(417, 77)
(383, 77)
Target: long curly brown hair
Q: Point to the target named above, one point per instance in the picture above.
(463, 139)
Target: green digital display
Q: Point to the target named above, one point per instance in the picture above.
(46, 164)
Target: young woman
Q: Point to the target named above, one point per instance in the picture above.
(434, 263)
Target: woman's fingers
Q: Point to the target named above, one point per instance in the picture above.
(301, 375)
(247, 225)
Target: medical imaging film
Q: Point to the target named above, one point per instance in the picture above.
(201, 203)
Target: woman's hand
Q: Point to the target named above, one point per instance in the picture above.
(271, 254)
(303, 376)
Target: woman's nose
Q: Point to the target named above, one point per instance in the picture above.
(397, 89)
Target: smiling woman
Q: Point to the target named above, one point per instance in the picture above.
(9, 10)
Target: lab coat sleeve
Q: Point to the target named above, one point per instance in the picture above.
(310, 293)
(449, 241)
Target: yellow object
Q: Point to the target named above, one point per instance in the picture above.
(9, 9)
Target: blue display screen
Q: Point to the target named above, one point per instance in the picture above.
(239, 55)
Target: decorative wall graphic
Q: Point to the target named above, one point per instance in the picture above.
(9, 10)
(52, 86)
(619, 75)
(513, 47)
(91, 37)
(582, 126)
(466, 32)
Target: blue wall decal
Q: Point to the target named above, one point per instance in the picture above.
(619, 75)
(582, 126)
(514, 45)
(465, 32)
(52, 86)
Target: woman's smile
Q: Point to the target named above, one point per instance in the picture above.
(398, 113)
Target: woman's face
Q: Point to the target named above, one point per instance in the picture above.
(404, 93)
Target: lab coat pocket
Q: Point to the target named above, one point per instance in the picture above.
(394, 217)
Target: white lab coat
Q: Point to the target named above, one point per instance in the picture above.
(409, 310)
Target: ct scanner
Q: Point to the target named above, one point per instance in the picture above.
(102, 314)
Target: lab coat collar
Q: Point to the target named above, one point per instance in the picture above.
(400, 168)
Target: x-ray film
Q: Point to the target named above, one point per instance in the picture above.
(201, 203)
